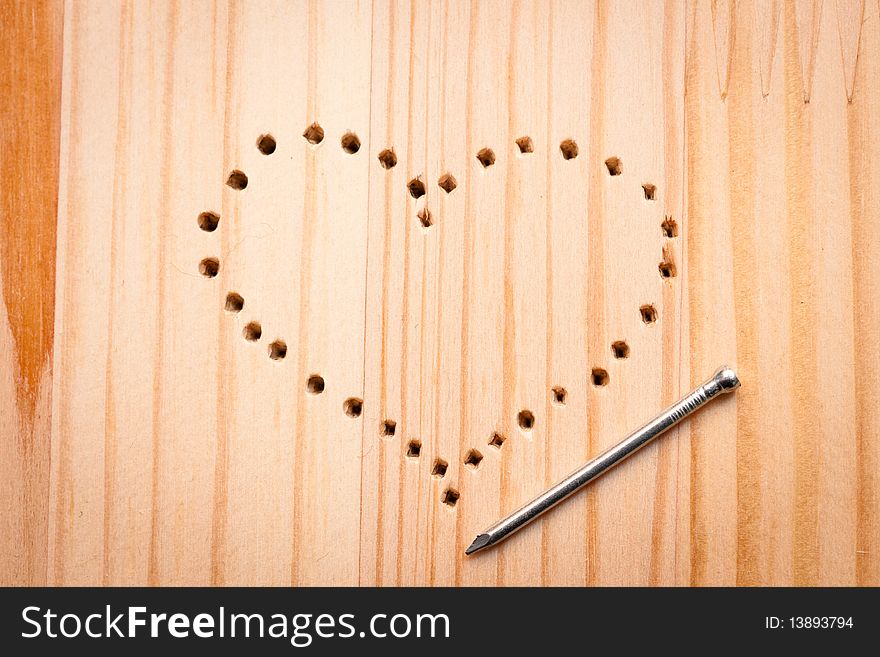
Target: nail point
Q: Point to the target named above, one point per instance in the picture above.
(479, 543)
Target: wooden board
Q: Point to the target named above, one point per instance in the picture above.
(485, 240)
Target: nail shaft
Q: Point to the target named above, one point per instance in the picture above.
(724, 380)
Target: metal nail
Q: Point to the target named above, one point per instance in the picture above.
(724, 380)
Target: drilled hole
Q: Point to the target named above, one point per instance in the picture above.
(650, 190)
(234, 302)
(315, 384)
(413, 449)
(450, 497)
(353, 406)
(266, 144)
(599, 377)
(314, 134)
(472, 459)
(620, 349)
(559, 395)
(569, 149)
(278, 350)
(424, 216)
(649, 314)
(387, 159)
(252, 331)
(447, 182)
(350, 143)
(615, 166)
(237, 180)
(526, 420)
(486, 157)
(525, 145)
(667, 269)
(208, 221)
(209, 267)
(388, 428)
(497, 440)
(416, 188)
(669, 227)
(438, 470)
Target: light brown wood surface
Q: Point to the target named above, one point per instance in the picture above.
(145, 440)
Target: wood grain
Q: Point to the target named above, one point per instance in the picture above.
(694, 183)
(30, 124)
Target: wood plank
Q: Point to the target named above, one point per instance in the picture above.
(342, 370)
(30, 122)
(863, 138)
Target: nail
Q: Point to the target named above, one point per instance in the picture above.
(723, 381)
